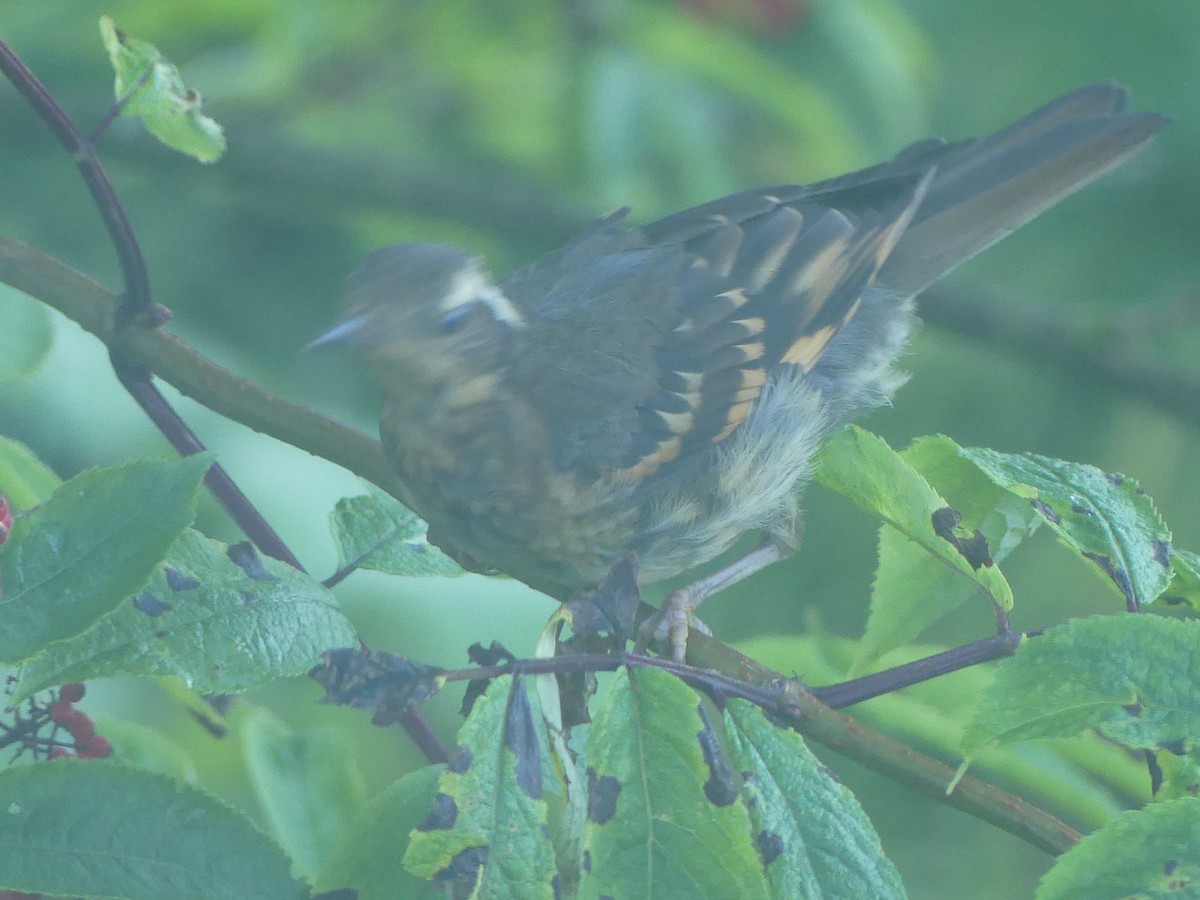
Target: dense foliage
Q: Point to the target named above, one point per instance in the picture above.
(504, 126)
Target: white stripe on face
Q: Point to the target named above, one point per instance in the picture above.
(473, 286)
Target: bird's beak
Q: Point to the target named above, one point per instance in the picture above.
(344, 330)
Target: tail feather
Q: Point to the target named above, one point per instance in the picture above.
(986, 189)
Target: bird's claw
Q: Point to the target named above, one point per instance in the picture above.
(670, 626)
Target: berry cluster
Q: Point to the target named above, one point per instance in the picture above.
(37, 727)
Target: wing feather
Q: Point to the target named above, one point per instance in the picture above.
(774, 278)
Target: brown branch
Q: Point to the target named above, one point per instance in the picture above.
(895, 760)
(137, 308)
(83, 300)
(803, 710)
(86, 302)
(89, 304)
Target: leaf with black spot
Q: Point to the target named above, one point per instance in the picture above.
(943, 523)
(611, 607)
(1106, 517)
(1175, 770)
(208, 636)
(376, 531)
(147, 603)
(1182, 596)
(652, 830)
(1151, 852)
(492, 656)
(1133, 677)
(153, 90)
(723, 782)
(442, 817)
(246, 558)
(603, 791)
(971, 544)
(497, 841)
(74, 560)
(576, 689)
(812, 836)
(387, 684)
(178, 581)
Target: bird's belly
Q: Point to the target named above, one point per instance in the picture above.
(512, 510)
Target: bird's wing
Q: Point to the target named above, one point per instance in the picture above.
(662, 337)
(772, 278)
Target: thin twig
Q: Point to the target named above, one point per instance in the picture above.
(138, 307)
(839, 696)
(94, 308)
(136, 381)
(115, 110)
(803, 710)
(138, 295)
(138, 304)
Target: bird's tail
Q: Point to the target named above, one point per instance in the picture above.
(986, 188)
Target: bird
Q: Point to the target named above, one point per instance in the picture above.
(655, 392)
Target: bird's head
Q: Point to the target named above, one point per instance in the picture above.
(428, 310)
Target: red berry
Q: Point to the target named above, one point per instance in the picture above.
(61, 712)
(60, 753)
(72, 692)
(95, 747)
(80, 726)
(5, 518)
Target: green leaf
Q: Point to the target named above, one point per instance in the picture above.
(488, 827)
(665, 815)
(913, 589)
(25, 334)
(1076, 777)
(92, 544)
(376, 531)
(74, 828)
(862, 467)
(169, 109)
(218, 616)
(812, 835)
(1179, 766)
(148, 749)
(307, 783)
(1183, 593)
(1133, 677)
(1151, 852)
(368, 858)
(1107, 518)
(24, 479)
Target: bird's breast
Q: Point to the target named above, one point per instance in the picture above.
(479, 468)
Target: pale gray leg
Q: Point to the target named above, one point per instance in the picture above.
(675, 618)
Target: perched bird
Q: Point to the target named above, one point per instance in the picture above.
(660, 390)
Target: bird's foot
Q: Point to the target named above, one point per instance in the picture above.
(670, 626)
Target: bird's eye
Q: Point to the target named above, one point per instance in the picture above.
(454, 319)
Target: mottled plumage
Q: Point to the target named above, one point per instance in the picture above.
(662, 389)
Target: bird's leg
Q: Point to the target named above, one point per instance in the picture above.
(675, 617)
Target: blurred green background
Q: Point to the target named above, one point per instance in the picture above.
(504, 125)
